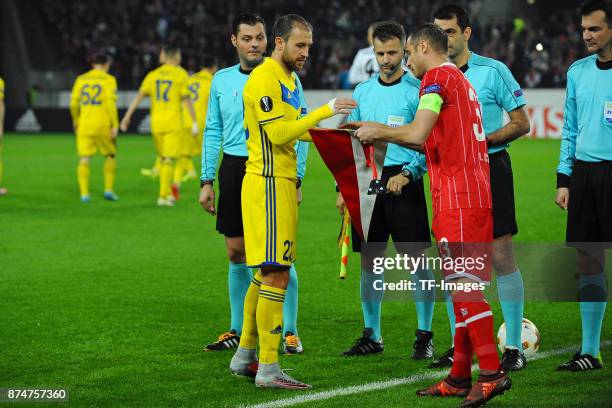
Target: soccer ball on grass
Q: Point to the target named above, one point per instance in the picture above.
(530, 338)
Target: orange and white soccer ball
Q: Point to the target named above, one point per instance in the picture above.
(530, 337)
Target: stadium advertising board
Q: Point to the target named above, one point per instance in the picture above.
(545, 110)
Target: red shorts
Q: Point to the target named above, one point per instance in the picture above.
(465, 238)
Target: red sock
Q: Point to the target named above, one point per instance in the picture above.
(462, 359)
(479, 320)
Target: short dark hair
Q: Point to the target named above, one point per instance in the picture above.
(386, 30)
(285, 24)
(171, 48)
(448, 11)
(101, 58)
(436, 37)
(207, 61)
(591, 6)
(248, 19)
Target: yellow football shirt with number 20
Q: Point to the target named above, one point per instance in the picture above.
(269, 197)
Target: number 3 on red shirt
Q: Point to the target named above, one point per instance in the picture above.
(478, 128)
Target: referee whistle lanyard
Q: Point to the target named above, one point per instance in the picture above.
(376, 185)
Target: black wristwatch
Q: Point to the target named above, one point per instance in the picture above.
(204, 182)
(407, 173)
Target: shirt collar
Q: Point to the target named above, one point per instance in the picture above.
(275, 66)
(465, 67)
(603, 65)
(397, 81)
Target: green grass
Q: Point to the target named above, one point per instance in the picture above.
(115, 300)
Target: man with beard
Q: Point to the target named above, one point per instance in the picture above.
(497, 91)
(392, 97)
(448, 124)
(225, 129)
(274, 122)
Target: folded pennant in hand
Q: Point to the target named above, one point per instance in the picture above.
(350, 164)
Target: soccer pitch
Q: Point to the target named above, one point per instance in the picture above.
(114, 300)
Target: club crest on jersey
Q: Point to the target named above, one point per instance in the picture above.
(463, 311)
(265, 103)
(518, 92)
(433, 88)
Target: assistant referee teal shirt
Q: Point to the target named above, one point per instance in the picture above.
(587, 117)
(394, 104)
(497, 91)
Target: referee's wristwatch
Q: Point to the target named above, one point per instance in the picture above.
(406, 173)
(204, 182)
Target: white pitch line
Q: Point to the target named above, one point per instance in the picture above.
(381, 385)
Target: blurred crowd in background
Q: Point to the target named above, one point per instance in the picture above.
(537, 45)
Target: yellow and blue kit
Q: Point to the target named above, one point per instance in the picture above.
(274, 122)
(167, 87)
(199, 92)
(93, 107)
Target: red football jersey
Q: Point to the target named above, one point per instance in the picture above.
(456, 150)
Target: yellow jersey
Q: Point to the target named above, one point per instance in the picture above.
(270, 95)
(166, 86)
(93, 102)
(1, 89)
(199, 91)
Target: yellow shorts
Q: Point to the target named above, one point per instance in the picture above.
(88, 144)
(269, 218)
(157, 142)
(168, 144)
(188, 143)
(197, 145)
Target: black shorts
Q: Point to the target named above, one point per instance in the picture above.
(229, 211)
(589, 213)
(403, 218)
(502, 193)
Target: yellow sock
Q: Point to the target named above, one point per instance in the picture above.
(269, 322)
(190, 167)
(83, 177)
(179, 170)
(110, 168)
(165, 178)
(248, 339)
(158, 164)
